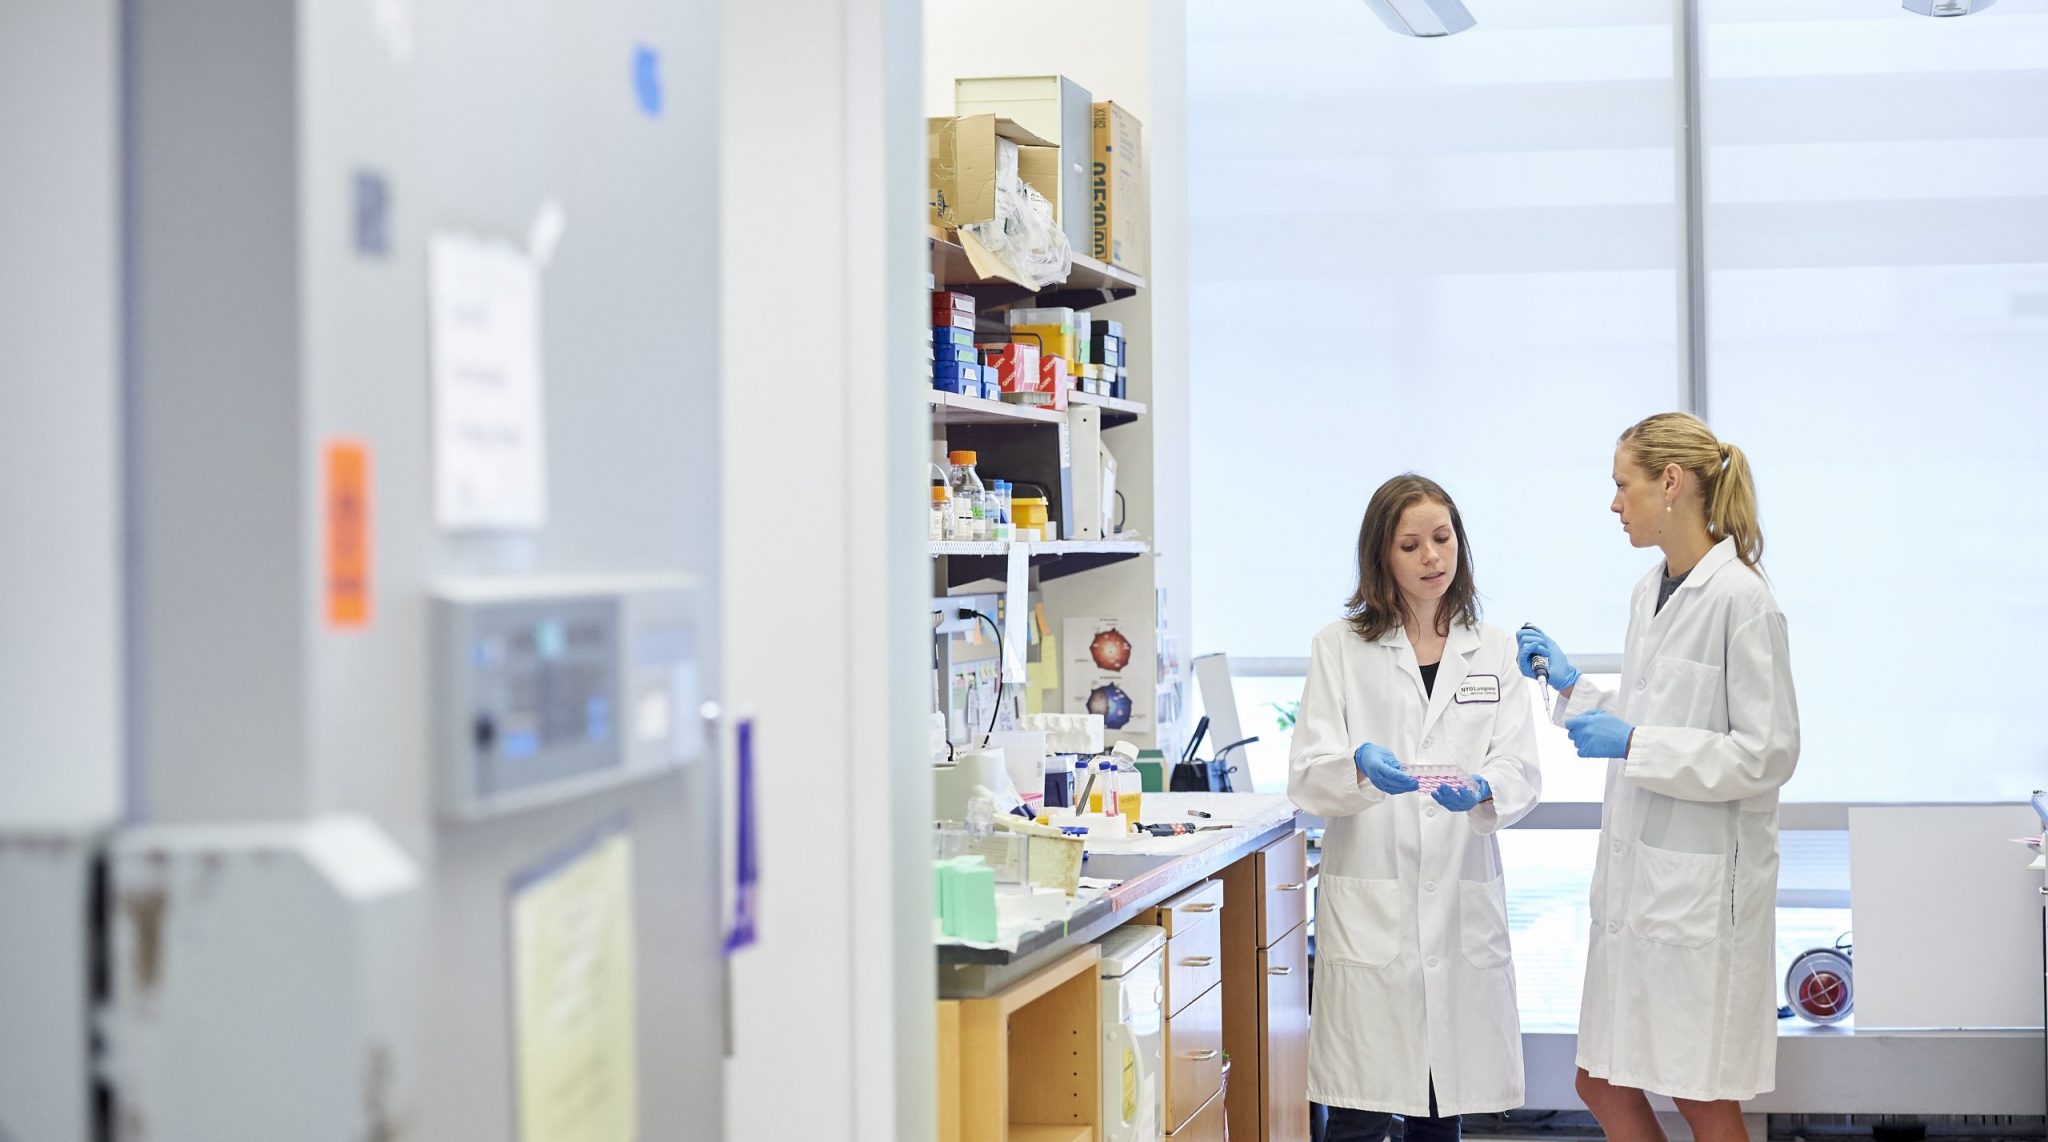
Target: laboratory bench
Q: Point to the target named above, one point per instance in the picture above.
(1020, 1028)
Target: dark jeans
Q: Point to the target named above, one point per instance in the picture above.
(1347, 1125)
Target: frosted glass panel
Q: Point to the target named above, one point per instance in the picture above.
(1458, 256)
(1877, 247)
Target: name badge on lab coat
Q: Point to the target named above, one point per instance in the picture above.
(1478, 688)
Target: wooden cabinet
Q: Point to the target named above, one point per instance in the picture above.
(1198, 905)
(1206, 1125)
(1283, 875)
(1025, 1065)
(1283, 1012)
(1265, 992)
(1194, 1058)
(1194, 965)
(1194, 1002)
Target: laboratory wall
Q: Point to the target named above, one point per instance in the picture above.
(278, 281)
(60, 426)
(822, 181)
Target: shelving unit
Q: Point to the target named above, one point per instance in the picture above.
(968, 562)
(1089, 283)
(952, 408)
(1115, 411)
(1025, 1064)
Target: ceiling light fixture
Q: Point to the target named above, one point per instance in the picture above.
(1429, 18)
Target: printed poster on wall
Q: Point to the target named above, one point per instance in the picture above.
(490, 467)
(1106, 670)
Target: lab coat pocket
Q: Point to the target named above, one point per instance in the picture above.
(1483, 922)
(1687, 693)
(1679, 898)
(1358, 921)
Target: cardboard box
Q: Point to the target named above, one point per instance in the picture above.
(963, 166)
(1062, 113)
(1121, 229)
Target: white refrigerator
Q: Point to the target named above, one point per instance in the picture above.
(1134, 1034)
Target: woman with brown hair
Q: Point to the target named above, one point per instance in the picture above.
(1415, 986)
(1681, 975)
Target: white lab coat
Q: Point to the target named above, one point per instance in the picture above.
(1681, 975)
(1413, 972)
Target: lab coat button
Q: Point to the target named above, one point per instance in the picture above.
(1613, 927)
(1432, 961)
(1642, 682)
(1427, 742)
(1429, 812)
(1429, 886)
(1617, 846)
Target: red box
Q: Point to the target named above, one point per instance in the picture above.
(952, 319)
(1052, 378)
(1016, 366)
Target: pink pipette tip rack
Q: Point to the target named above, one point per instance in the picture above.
(1430, 777)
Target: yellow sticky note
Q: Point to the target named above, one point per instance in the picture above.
(1038, 619)
(1044, 674)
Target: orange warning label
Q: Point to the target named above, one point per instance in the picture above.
(348, 533)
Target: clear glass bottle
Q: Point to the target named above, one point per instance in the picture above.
(941, 512)
(969, 498)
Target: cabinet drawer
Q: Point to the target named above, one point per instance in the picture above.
(1283, 1059)
(1194, 1058)
(1283, 901)
(1198, 905)
(1194, 964)
(1205, 1126)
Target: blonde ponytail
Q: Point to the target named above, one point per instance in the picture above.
(1727, 488)
(1731, 508)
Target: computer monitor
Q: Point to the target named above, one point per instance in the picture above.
(1219, 705)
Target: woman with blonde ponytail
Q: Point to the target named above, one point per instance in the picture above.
(1681, 979)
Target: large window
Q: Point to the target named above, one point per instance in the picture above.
(1877, 248)
(1464, 256)
(1456, 256)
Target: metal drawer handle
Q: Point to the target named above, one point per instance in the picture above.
(1280, 971)
(1290, 887)
(2044, 890)
(1198, 961)
(1201, 1056)
(1201, 907)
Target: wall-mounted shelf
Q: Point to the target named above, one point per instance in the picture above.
(1089, 283)
(968, 562)
(952, 408)
(1114, 410)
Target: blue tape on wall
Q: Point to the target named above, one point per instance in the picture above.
(647, 80)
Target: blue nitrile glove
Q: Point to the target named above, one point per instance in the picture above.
(1598, 733)
(1530, 642)
(1380, 767)
(1463, 798)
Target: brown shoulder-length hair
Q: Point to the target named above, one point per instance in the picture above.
(1376, 606)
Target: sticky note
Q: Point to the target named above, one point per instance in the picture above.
(348, 534)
